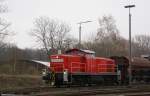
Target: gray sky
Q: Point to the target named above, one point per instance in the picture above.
(23, 12)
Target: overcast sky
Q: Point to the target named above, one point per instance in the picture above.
(22, 13)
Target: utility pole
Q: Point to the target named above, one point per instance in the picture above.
(130, 47)
(80, 28)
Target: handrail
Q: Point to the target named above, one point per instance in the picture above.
(77, 67)
(105, 68)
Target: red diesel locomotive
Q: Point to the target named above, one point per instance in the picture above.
(82, 67)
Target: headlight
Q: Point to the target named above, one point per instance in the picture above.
(44, 72)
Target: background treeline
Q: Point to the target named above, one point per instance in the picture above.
(18, 61)
(53, 35)
(108, 41)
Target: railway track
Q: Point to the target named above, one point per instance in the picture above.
(82, 91)
(98, 92)
(26, 90)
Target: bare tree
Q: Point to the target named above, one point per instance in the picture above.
(50, 33)
(61, 34)
(141, 45)
(4, 32)
(108, 41)
(70, 42)
(4, 25)
(3, 7)
(143, 41)
(107, 28)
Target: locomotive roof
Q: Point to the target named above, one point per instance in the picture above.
(80, 50)
(137, 61)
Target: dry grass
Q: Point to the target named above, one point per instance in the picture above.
(19, 81)
(26, 74)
